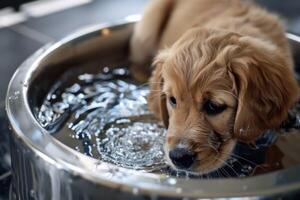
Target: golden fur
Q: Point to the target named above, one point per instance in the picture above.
(229, 53)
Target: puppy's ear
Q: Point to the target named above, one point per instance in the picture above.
(157, 99)
(266, 86)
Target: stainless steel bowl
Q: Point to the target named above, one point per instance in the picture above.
(44, 168)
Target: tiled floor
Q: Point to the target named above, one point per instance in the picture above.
(21, 40)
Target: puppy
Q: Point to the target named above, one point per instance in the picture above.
(223, 73)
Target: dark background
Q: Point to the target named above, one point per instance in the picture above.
(19, 41)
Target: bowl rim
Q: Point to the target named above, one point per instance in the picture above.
(59, 155)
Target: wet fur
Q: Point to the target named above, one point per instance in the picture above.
(228, 51)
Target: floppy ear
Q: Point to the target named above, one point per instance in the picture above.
(266, 86)
(156, 98)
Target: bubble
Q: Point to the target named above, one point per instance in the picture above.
(15, 96)
(133, 145)
(135, 191)
(105, 69)
(246, 169)
(86, 77)
(74, 88)
(172, 181)
(60, 107)
(32, 194)
(178, 190)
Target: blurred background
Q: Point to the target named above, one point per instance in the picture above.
(27, 25)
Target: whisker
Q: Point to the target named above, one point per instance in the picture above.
(236, 160)
(224, 162)
(224, 172)
(233, 155)
(219, 174)
(208, 177)
(148, 84)
(210, 147)
(144, 84)
(155, 96)
(237, 156)
(157, 93)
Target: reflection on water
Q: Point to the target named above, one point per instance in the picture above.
(132, 143)
(105, 116)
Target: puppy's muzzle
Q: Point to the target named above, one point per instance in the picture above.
(182, 158)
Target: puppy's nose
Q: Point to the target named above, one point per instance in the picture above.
(182, 158)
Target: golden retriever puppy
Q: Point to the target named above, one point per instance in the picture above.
(223, 73)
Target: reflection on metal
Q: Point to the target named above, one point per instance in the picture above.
(32, 34)
(44, 168)
(105, 31)
(293, 37)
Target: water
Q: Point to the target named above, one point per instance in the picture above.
(105, 116)
(110, 119)
(132, 144)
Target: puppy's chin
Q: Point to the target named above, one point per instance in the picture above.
(208, 160)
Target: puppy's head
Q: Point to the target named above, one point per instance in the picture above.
(213, 88)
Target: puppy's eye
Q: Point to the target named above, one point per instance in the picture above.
(212, 108)
(172, 101)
